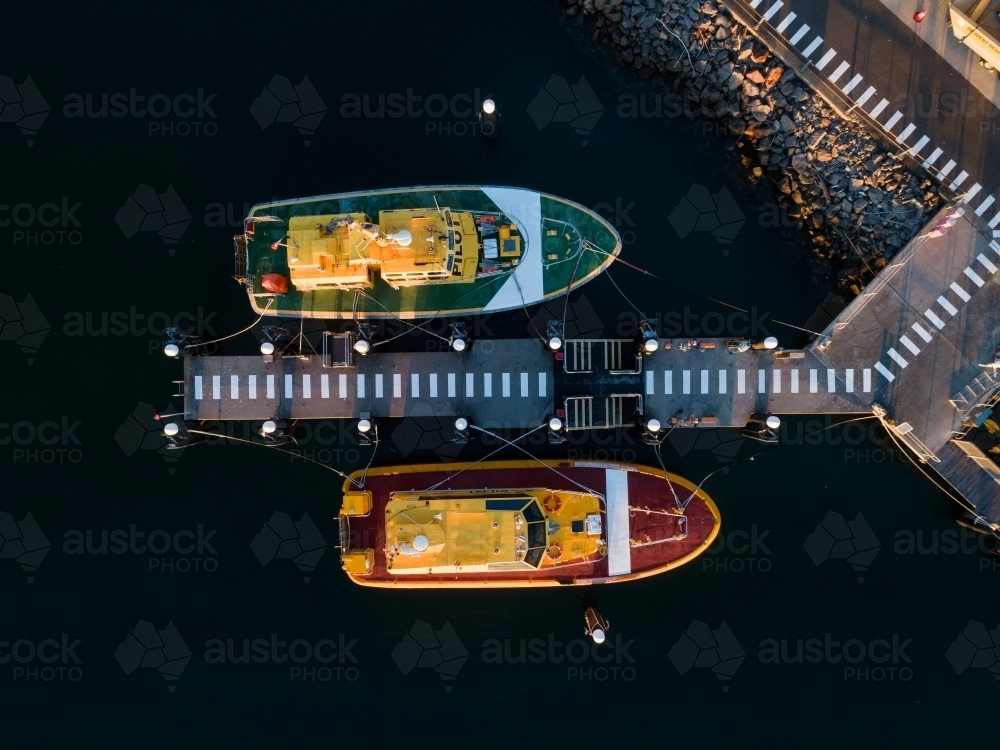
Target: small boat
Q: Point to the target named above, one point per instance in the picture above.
(506, 524)
(419, 252)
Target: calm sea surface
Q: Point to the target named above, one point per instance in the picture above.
(715, 654)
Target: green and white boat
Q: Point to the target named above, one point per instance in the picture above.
(419, 252)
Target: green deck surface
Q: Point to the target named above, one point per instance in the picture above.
(436, 299)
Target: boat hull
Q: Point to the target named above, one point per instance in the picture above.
(538, 277)
(643, 487)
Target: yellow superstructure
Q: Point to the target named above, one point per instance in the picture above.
(408, 247)
(496, 530)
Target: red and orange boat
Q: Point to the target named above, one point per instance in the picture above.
(520, 523)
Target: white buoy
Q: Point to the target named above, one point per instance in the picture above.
(773, 422)
(650, 345)
(555, 343)
(489, 106)
(171, 429)
(555, 424)
(364, 425)
(362, 347)
(420, 543)
(267, 348)
(598, 635)
(269, 426)
(653, 425)
(461, 424)
(171, 350)
(458, 344)
(770, 343)
(403, 237)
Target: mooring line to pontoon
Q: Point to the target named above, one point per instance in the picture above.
(262, 315)
(294, 455)
(697, 294)
(480, 460)
(536, 459)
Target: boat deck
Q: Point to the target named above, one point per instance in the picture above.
(641, 490)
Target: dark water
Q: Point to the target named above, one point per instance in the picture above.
(761, 584)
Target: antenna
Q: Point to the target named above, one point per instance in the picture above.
(438, 207)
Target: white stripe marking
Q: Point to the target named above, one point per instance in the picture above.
(921, 332)
(524, 385)
(907, 131)
(958, 180)
(830, 54)
(879, 108)
(799, 34)
(896, 356)
(397, 385)
(252, 386)
(994, 221)
(755, 3)
(342, 385)
(924, 140)
(487, 385)
(686, 382)
(217, 386)
(973, 191)
(960, 292)
(722, 381)
(893, 120)
(795, 381)
(852, 84)
(741, 381)
(650, 381)
(812, 46)
(943, 301)
(378, 386)
(933, 318)
(433, 384)
(905, 341)
(541, 385)
(974, 276)
(415, 385)
(986, 263)
(841, 69)
(234, 387)
(772, 10)
(361, 385)
(776, 381)
(451, 385)
(668, 382)
(616, 497)
(984, 205)
(470, 385)
(306, 385)
(197, 387)
(288, 387)
(947, 168)
(761, 381)
(831, 381)
(270, 386)
(885, 372)
(505, 384)
(849, 380)
(869, 92)
(785, 23)
(935, 155)
(866, 380)
(704, 382)
(813, 381)
(324, 385)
